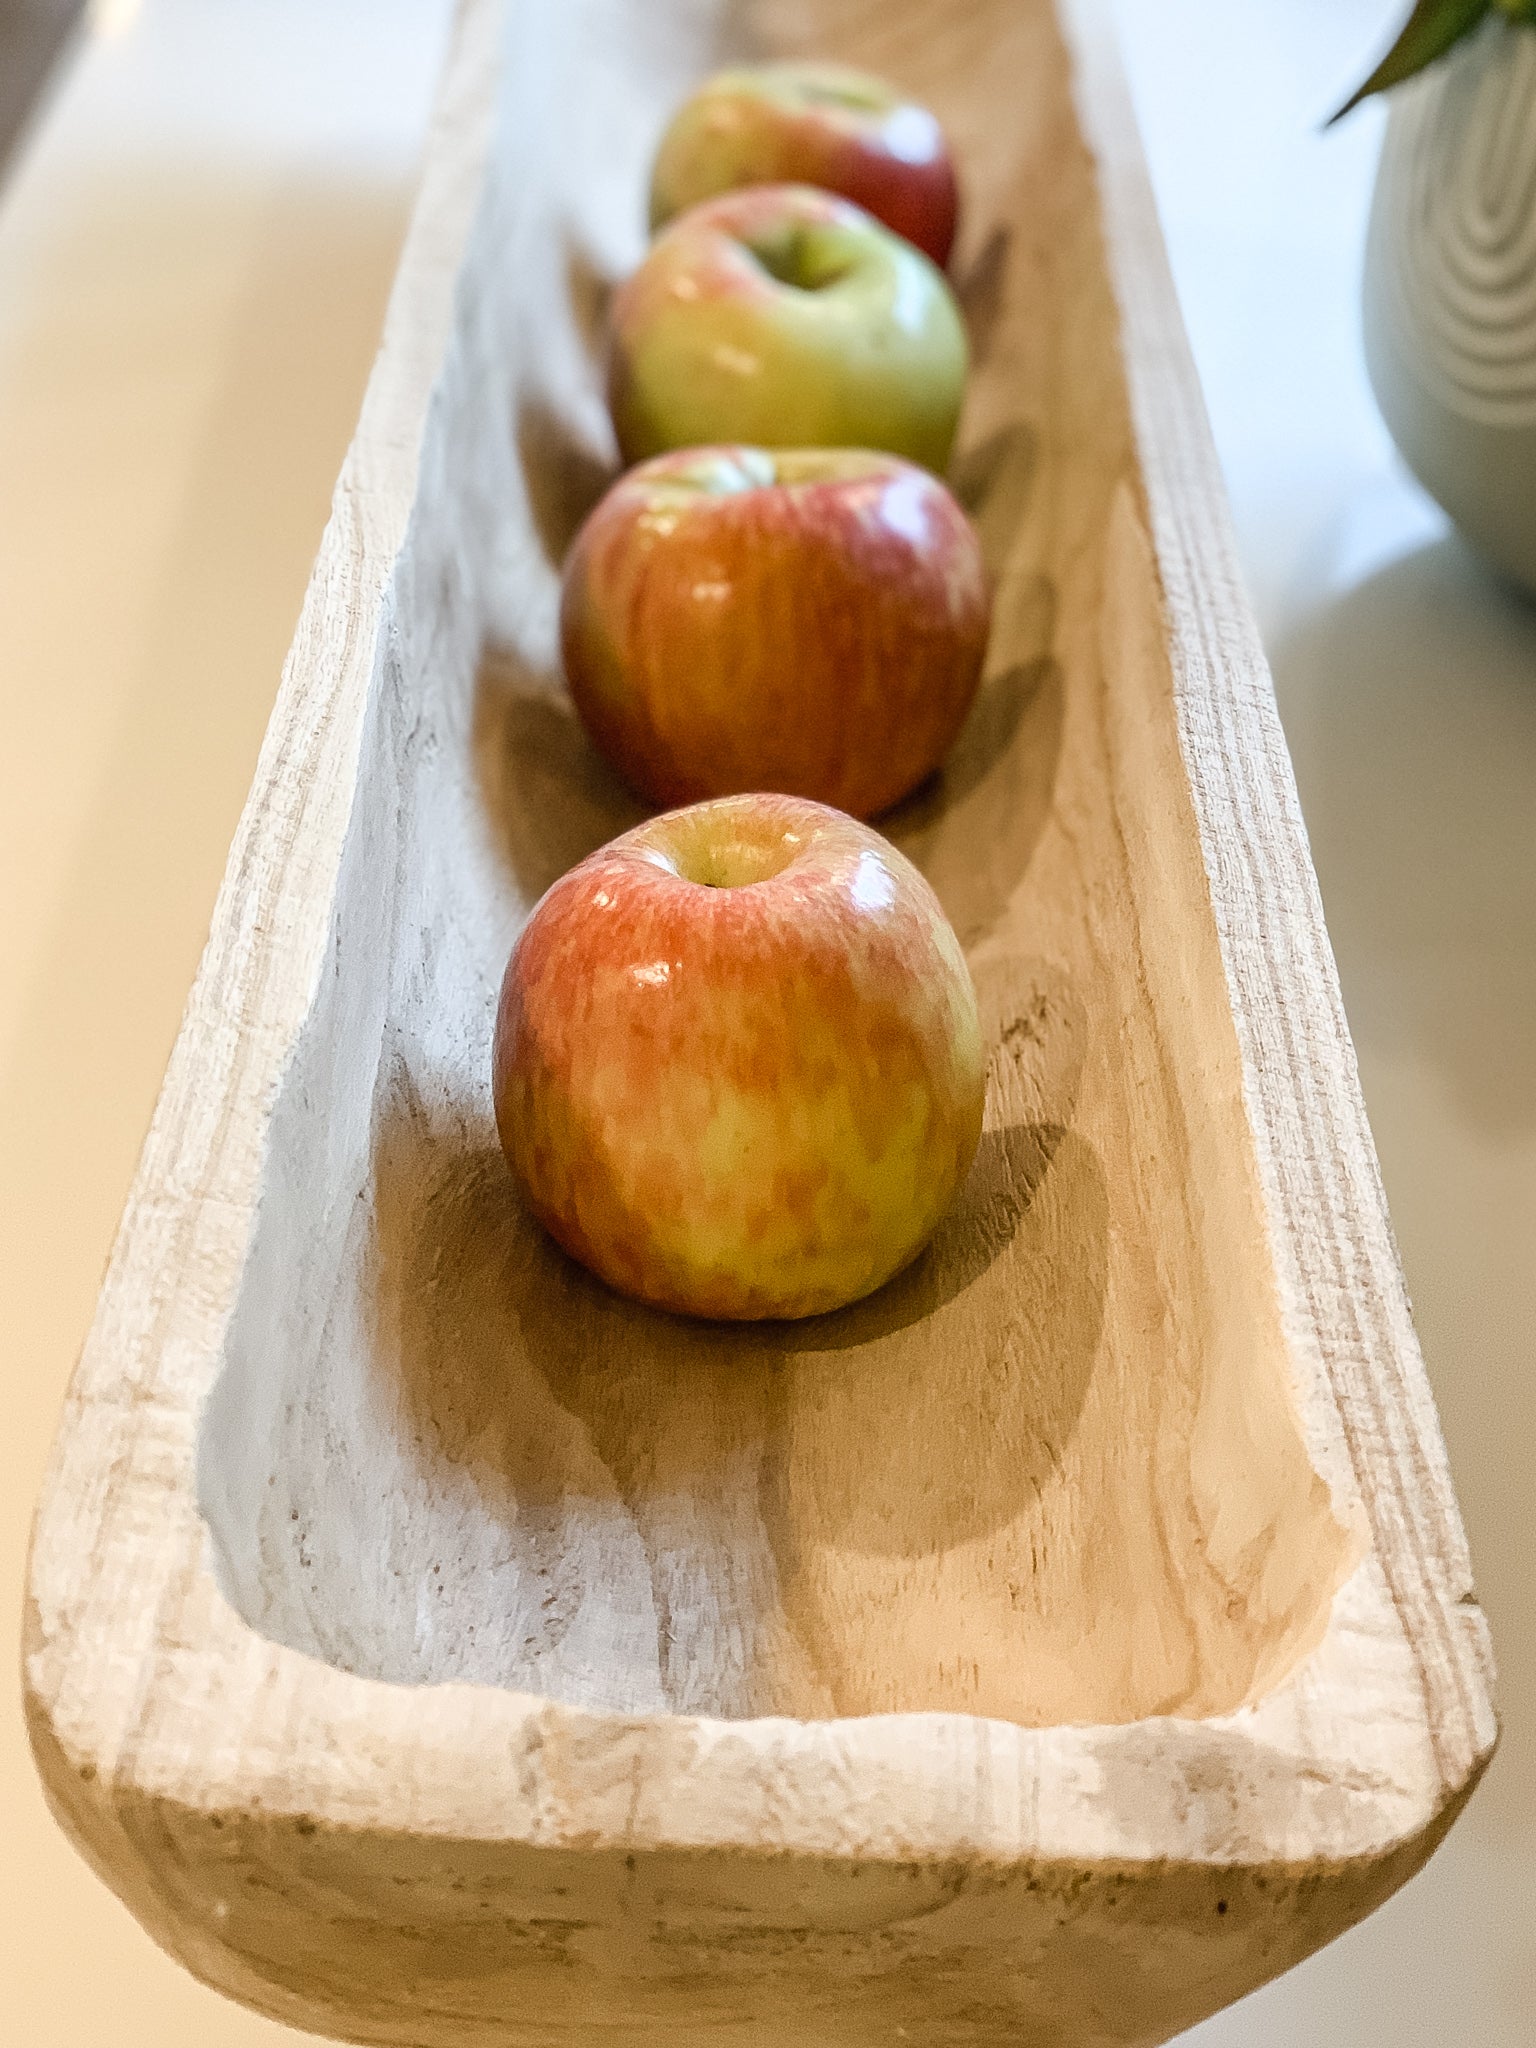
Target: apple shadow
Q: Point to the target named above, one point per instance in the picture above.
(972, 828)
(549, 795)
(551, 799)
(583, 1420)
(993, 479)
(448, 1215)
(981, 292)
(589, 293)
(564, 476)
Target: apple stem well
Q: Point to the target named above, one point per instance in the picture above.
(802, 257)
(736, 861)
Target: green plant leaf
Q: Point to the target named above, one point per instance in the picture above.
(1434, 27)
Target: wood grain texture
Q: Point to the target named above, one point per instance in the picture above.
(432, 1648)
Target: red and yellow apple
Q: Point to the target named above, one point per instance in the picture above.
(738, 1070)
(812, 124)
(787, 318)
(812, 621)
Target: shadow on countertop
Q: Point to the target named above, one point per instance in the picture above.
(1409, 701)
(33, 34)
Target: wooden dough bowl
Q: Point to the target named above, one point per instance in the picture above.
(434, 1649)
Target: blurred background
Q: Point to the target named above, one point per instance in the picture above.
(201, 203)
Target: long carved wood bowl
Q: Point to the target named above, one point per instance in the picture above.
(434, 1649)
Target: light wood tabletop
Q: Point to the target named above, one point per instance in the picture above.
(196, 241)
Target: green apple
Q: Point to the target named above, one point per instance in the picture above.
(787, 318)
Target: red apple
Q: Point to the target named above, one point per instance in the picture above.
(738, 1069)
(811, 621)
(787, 318)
(812, 124)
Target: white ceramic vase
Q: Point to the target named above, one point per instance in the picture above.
(1450, 289)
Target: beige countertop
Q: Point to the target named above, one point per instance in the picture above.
(195, 250)
(196, 242)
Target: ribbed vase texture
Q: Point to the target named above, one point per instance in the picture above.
(1450, 290)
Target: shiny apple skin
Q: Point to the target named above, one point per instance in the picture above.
(811, 621)
(787, 318)
(738, 1070)
(812, 124)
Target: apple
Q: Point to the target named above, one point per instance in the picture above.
(812, 124)
(738, 1068)
(787, 318)
(811, 620)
